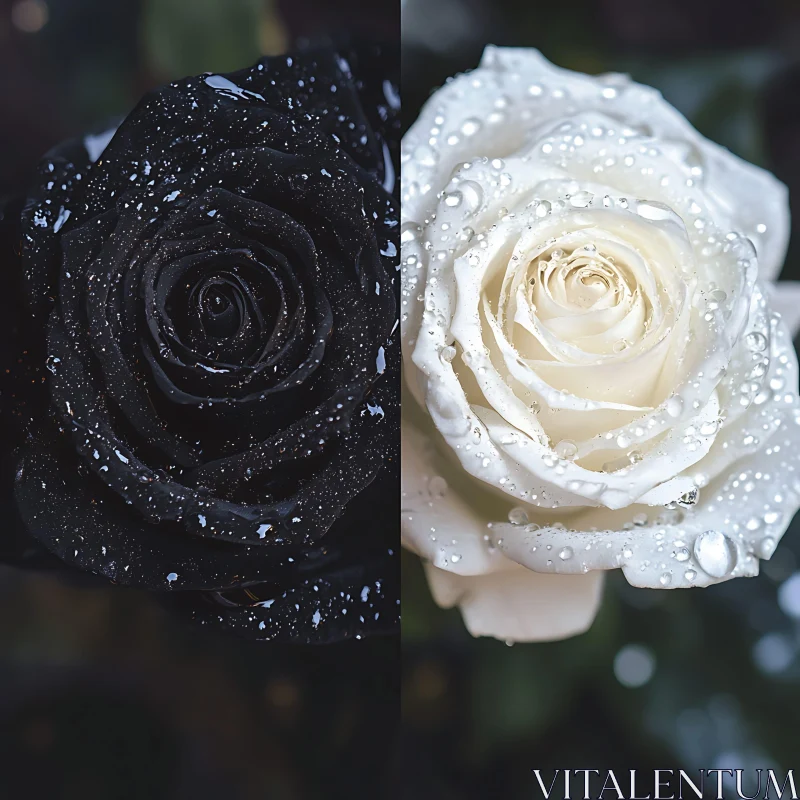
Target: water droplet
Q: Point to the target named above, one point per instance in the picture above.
(681, 554)
(566, 449)
(674, 405)
(766, 547)
(665, 579)
(581, 199)
(657, 212)
(518, 516)
(472, 194)
(409, 231)
(620, 345)
(756, 342)
(690, 575)
(715, 553)
(426, 156)
(566, 554)
(447, 353)
(691, 498)
(471, 126)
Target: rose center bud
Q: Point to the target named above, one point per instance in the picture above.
(586, 298)
(221, 310)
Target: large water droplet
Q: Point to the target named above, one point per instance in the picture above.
(566, 449)
(756, 342)
(656, 212)
(674, 405)
(710, 427)
(518, 516)
(766, 547)
(447, 353)
(715, 553)
(581, 199)
(472, 196)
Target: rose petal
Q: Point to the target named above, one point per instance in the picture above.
(518, 605)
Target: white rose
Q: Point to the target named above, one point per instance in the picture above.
(598, 375)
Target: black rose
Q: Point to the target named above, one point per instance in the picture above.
(205, 392)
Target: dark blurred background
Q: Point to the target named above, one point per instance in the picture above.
(682, 679)
(103, 694)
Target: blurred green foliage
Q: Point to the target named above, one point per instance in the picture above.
(209, 36)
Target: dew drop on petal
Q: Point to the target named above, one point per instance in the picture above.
(620, 345)
(756, 342)
(581, 199)
(471, 126)
(709, 427)
(715, 553)
(766, 547)
(566, 449)
(471, 195)
(674, 405)
(518, 516)
(656, 212)
(447, 353)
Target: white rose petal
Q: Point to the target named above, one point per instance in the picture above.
(500, 605)
(599, 374)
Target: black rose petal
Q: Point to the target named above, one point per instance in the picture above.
(205, 394)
